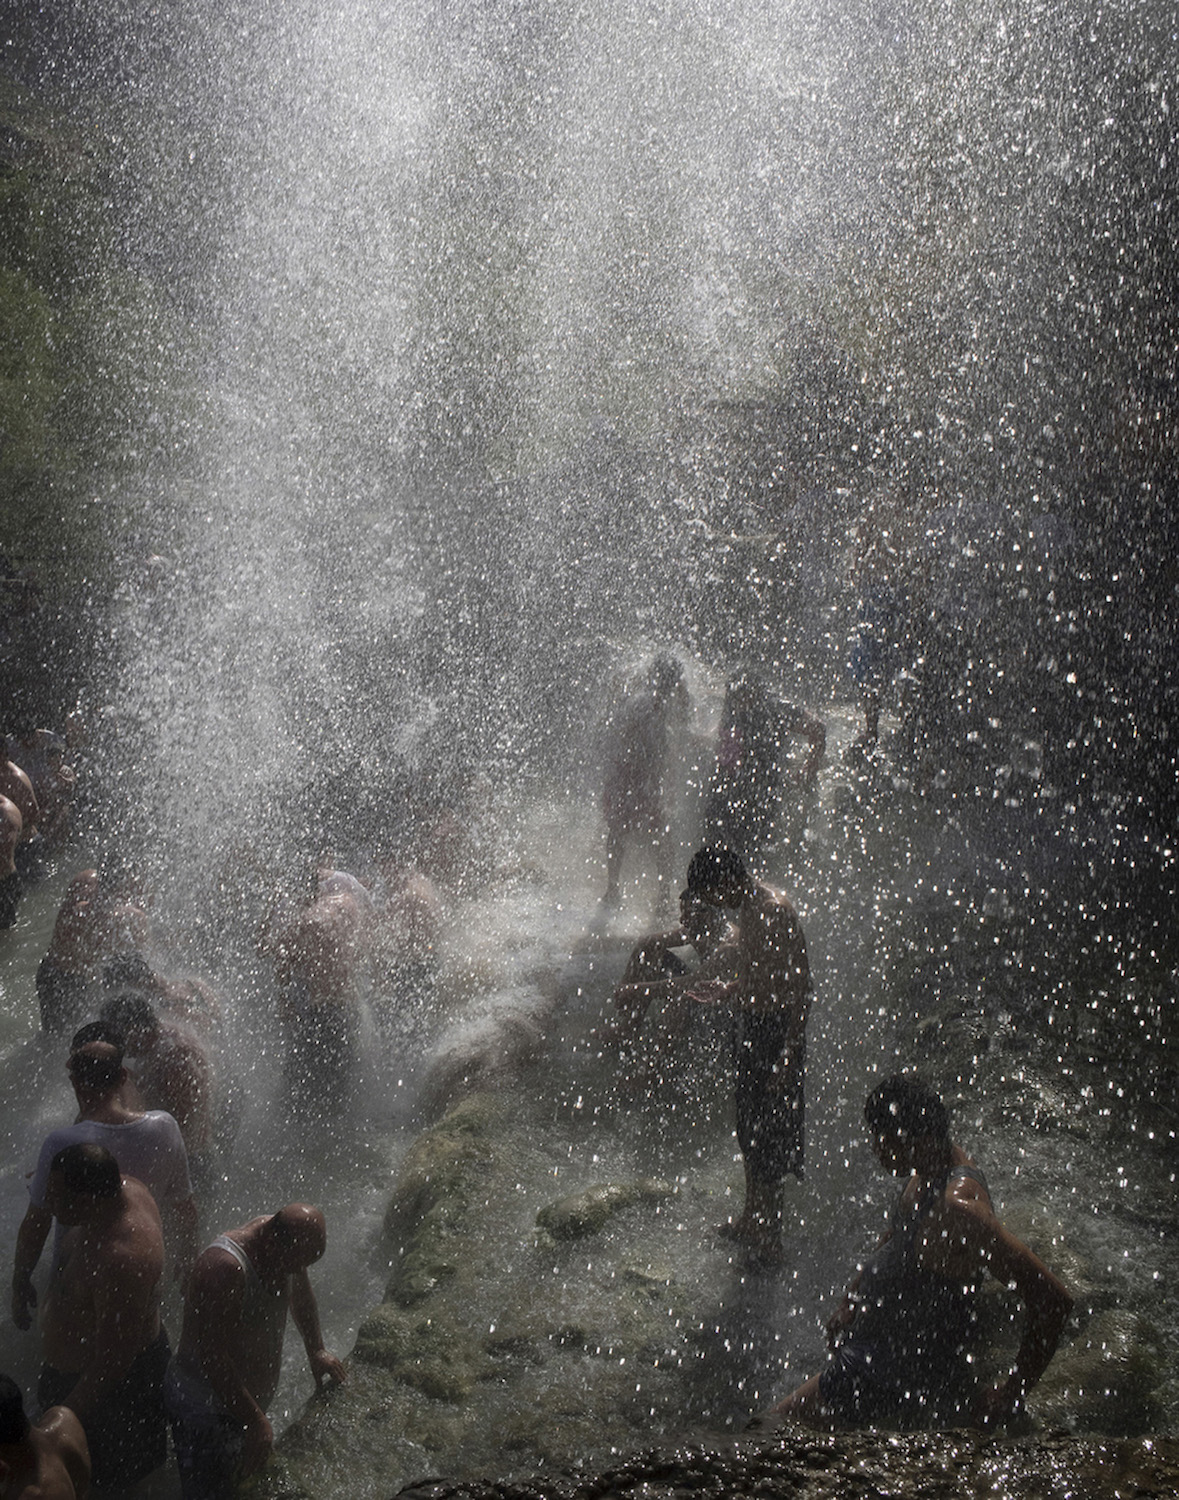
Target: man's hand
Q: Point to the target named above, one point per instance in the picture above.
(259, 1440)
(325, 1366)
(839, 1322)
(24, 1300)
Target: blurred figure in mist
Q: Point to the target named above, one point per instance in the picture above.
(405, 942)
(11, 885)
(638, 797)
(876, 655)
(101, 915)
(757, 730)
(41, 755)
(317, 947)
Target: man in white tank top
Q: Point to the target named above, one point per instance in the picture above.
(226, 1367)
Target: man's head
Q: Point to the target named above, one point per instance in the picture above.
(295, 1237)
(134, 1017)
(14, 1423)
(82, 1178)
(128, 971)
(96, 1067)
(907, 1119)
(717, 875)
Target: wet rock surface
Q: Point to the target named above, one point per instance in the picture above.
(858, 1467)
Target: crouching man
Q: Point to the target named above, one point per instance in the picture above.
(228, 1360)
(904, 1337)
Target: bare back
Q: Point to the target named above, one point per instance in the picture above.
(104, 1298)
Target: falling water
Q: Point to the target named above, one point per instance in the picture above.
(494, 349)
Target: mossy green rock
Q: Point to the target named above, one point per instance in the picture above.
(589, 1211)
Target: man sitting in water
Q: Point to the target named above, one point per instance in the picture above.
(655, 971)
(229, 1356)
(45, 1461)
(903, 1338)
(99, 917)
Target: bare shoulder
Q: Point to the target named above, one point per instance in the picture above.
(63, 1431)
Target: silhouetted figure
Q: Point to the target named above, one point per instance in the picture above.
(745, 795)
(636, 793)
(904, 1338)
(229, 1356)
(770, 999)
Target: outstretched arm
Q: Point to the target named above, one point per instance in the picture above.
(1047, 1302)
(305, 1315)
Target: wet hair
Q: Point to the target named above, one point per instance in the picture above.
(97, 1065)
(130, 1012)
(714, 867)
(102, 1030)
(904, 1105)
(86, 1167)
(128, 971)
(14, 1423)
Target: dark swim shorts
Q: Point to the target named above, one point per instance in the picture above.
(128, 1433)
(769, 1094)
(858, 1398)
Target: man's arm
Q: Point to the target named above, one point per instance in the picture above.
(30, 1241)
(305, 1316)
(1046, 1299)
(64, 1432)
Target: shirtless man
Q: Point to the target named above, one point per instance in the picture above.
(228, 1360)
(48, 1460)
(147, 1146)
(903, 1339)
(16, 786)
(654, 971)
(12, 887)
(104, 1347)
(41, 755)
(771, 1000)
(99, 917)
(316, 954)
(406, 934)
(172, 1073)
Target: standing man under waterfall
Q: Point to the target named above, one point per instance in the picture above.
(771, 1000)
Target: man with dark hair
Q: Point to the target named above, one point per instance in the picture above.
(104, 1347)
(146, 1144)
(771, 1001)
(172, 1073)
(100, 916)
(229, 1356)
(904, 1338)
(48, 1460)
